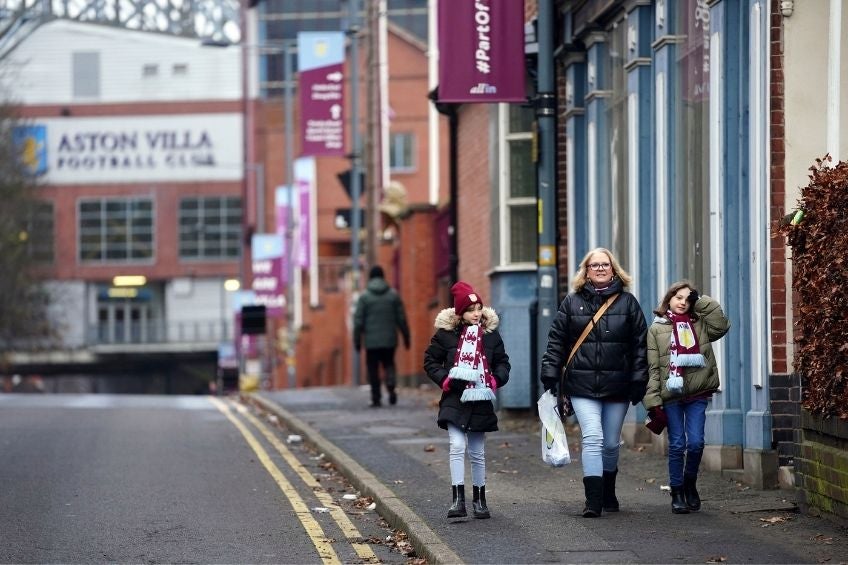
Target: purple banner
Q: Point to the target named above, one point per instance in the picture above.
(267, 251)
(282, 202)
(481, 51)
(305, 181)
(303, 250)
(321, 86)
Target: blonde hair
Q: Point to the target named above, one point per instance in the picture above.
(580, 276)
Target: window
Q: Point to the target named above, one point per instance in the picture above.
(116, 230)
(690, 185)
(402, 152)
(150, 70)
(180, 69)
(86, 74)
(617, 216)
(518, 233)
(39, 230)
(210, 227)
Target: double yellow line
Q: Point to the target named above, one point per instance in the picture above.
(301, 510)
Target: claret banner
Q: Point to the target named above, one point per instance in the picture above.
(481, 51)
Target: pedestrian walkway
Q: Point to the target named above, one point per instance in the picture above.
(398, 456)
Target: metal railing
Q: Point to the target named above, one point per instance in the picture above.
(159, 332)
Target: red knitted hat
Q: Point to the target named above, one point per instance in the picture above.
(463, 297)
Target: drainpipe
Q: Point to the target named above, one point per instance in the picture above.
(546, 173)
(452, 113)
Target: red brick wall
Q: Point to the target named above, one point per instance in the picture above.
(780, 335)
(474, 199)
(417, 286)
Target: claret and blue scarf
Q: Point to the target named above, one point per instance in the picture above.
(684, 349)
(471, 365)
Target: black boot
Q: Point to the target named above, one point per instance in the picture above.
(678, 502)
(610, 501)
(594, 487)
(690, 493)
(457, 509)
(479, 503)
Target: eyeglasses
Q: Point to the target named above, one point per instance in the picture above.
(598, 266)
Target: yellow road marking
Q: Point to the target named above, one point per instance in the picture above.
(313, 529)
(351, 533)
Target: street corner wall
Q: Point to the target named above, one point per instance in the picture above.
(416, 258)
(324, 346)
(821, 467)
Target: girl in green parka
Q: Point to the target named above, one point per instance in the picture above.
(682, 378)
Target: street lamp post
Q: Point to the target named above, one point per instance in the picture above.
(289, 51)
(356, 166)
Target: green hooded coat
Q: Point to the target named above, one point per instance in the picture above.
(710, 326)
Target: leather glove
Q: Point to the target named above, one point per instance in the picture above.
(551, 385)
(692, 298)
(637, 393)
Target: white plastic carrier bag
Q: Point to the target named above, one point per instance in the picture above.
(554, 445)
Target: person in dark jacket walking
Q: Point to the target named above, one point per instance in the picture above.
(378, 317)
(683, 377)
(607, 370)
(467, 359)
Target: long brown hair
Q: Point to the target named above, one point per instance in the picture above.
(663, 308)
(580, 276)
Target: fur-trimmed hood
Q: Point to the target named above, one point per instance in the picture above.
(448, 320)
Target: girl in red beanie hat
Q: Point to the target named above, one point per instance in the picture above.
(467, 359)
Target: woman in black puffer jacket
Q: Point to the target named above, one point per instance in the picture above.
(608, 370)
(467, 359)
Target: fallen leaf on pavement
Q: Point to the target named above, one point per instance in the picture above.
(363, 501)
(717, 559)
(822, 539)
(505, 445)
(430, 448)
(774, 519)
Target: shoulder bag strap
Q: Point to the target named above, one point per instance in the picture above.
(592, 323)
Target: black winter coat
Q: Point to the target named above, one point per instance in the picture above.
(612, 361)
(439, 358)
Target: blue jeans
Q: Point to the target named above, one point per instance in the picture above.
(600, 423)
(686, 421)
(475, 442)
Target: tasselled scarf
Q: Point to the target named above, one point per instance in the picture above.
(470, 364)
(684, 350)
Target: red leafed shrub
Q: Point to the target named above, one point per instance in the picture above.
(818, 236)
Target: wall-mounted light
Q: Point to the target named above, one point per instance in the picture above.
(129, 280)
(232, 285)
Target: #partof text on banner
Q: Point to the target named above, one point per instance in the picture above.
(481, 51)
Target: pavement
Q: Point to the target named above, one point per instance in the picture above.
(399, 456)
